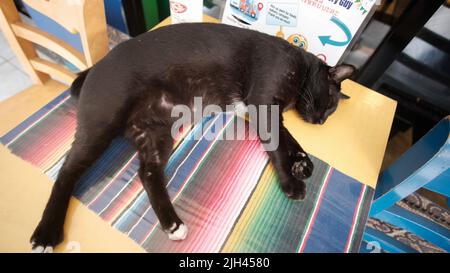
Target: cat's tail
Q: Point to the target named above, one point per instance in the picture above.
(75, 88)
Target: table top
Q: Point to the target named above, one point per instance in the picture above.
(353, 140)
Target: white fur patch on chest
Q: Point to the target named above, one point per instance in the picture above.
(165, 103)
(240, 109)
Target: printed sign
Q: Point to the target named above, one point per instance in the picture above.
(282, 15)
(322, 27)
(184, 11)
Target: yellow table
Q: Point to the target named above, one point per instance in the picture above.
(353, 140)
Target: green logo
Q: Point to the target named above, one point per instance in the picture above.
(364, 5)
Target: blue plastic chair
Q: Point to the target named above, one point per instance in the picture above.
(425, 165)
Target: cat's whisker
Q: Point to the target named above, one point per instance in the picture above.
(308, 92)
(307, 98)
(311, 97)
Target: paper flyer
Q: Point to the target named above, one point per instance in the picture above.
(322, 27)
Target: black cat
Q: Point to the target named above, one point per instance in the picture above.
(133, 89)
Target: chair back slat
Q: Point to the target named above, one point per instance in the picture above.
(67, 13)
(54, 44)
(62, 74)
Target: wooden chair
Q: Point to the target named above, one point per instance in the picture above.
(85, 17)
(425, 165)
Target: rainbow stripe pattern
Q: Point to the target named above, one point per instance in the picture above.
(226, 191)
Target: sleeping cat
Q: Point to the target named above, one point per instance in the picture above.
(133, 89)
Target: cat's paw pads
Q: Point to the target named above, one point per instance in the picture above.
(295, 190)
(177, 232)
(302, 167)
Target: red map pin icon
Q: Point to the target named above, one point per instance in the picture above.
(260, 6)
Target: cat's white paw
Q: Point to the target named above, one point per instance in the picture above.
(48, 249)
(41, 249)
(179, 234)
(37, 249)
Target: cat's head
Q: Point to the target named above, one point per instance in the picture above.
(321, 92)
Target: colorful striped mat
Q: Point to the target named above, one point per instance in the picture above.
(225, 191)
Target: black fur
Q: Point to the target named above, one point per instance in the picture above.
(132, 89)
(75, 88)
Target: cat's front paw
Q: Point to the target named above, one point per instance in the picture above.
(294, 189)
(302, 167)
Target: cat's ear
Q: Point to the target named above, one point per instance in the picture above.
(342, 96)
(341, 72)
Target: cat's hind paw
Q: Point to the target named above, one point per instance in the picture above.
(45, 237)
(177, 232)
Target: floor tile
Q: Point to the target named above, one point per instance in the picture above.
(14, 61)
(2, 60)
(5, 49)
(12, 80)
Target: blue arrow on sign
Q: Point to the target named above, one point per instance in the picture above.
(327, 39)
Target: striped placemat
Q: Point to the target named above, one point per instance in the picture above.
(226, 191)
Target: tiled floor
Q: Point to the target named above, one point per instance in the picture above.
(12, 77)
